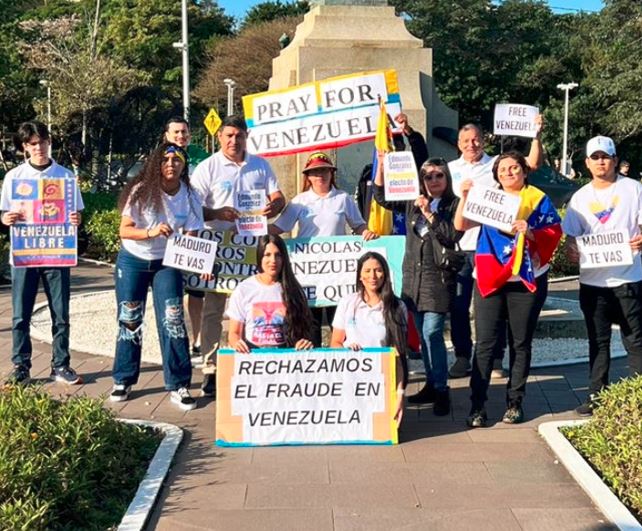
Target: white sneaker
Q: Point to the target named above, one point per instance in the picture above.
(183, 399)
(120, 393)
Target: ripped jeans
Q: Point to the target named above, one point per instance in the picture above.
(133, 277)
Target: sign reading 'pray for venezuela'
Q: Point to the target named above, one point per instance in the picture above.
(325, 114)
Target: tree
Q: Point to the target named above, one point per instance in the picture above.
(273, 10)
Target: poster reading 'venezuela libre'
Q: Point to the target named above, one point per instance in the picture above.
(321, 396)
(44, 237)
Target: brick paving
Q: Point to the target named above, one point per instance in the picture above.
(440, 476)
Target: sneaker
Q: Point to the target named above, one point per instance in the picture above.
(442, 402)
(65, 374)
(208, 387)
(460, 368)
(183, 399)
(120, 393)
(19, 376)
(426, 395)
(477, 418)
(514, 414)
(196, 354)
(586, 409)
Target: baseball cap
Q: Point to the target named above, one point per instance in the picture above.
(600, 143)
(318, 160)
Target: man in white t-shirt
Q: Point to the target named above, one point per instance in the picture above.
(35, 140)
(219, 179)
(610, 294)
(476, 165)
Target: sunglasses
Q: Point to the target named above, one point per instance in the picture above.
(434, 175)
(600, 157)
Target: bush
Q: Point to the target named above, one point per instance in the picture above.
(612, 441)
(102, 233)
(66, 465)
(560, 265)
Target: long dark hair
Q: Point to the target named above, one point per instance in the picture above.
(298, 318)
(443, 167)
(517, 157)
(396, 321)
(145, 189)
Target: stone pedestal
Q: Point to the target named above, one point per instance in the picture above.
(342, 39)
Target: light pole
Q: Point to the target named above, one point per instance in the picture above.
(45, 83)
(230, 84)
(566, 87)
(184, 47)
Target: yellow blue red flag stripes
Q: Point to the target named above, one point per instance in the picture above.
(500, 255)
(380, 219)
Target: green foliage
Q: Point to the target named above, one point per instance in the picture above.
(102, 230)
(561, 266)
(66, 465)
(273, 10)
(611, 440)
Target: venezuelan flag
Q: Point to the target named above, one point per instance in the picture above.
(500, 255)
(380, 219)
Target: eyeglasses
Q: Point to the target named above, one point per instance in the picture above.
(434, 175)
(601, 157)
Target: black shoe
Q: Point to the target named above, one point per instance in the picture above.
(442, 403)
(65, 374)
(514, 413)
(208, 387)
(427, 395)
(120, 393)
(19, 376)
(586, 409)
(182, 398)
(477, 418)
(460, 368)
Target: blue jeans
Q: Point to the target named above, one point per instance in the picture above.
(133, 276)
(433, 348)
(24, 288)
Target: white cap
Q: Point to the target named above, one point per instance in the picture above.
(600, 143)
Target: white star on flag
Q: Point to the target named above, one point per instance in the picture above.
(399, 217)
(507, 249)
(549, 219)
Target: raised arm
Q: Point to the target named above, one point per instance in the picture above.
(535, 156)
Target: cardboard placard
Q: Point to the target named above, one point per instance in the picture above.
(513, 119)
(401, 180)
(492, 207)
(250, 204)
(189, 253)
(605, 249)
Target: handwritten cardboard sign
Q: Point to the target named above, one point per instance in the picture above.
(492, 207)
(401, 181)
(512, 119)
(604, 249)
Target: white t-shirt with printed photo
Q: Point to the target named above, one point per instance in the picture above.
(592, 211)
(364, 325)
(182, 211)
(260, 308)
(219, 180)
(320, 215)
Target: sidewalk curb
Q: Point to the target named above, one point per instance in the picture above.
(143, 503)
(591, 483)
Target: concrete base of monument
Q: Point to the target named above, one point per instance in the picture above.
(560, 337)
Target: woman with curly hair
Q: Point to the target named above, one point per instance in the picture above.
(269, 309)
(154, 205)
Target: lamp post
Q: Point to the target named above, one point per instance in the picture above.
(45, 83)
(230, 84)
(184, 47)
(566, 87)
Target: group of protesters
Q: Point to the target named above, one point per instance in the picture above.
(449, 261)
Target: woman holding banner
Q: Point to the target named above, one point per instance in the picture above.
(155, 204)
(511, 283)
(269, 309)
(321, 209)
(428, 278)
(374, 317)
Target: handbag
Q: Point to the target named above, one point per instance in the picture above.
(446, 259)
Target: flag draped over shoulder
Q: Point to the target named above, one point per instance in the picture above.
(380, 219)
(499, 255)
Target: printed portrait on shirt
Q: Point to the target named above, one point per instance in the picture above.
(268, 319)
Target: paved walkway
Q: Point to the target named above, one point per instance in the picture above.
(441, 475)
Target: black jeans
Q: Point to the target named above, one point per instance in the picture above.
(317, 322)
(601, 308)
(514, 305)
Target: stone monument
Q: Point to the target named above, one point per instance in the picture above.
(340, 37)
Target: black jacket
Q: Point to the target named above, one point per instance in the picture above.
(426, 288)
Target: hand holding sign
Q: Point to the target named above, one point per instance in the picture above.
(605, 249)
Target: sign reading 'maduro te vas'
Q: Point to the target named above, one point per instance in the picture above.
(325, 114)
(322, 396)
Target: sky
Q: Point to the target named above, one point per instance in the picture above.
(237, 8)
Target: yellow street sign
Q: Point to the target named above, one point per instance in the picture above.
(212, 121)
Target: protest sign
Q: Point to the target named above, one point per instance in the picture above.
(401, 181)
(326, 267)
(324, 114)
(605, 249)
(321, 396)
(512, 119)
(250, 204)
(44, 237)
(492, 207)
(190, 253)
